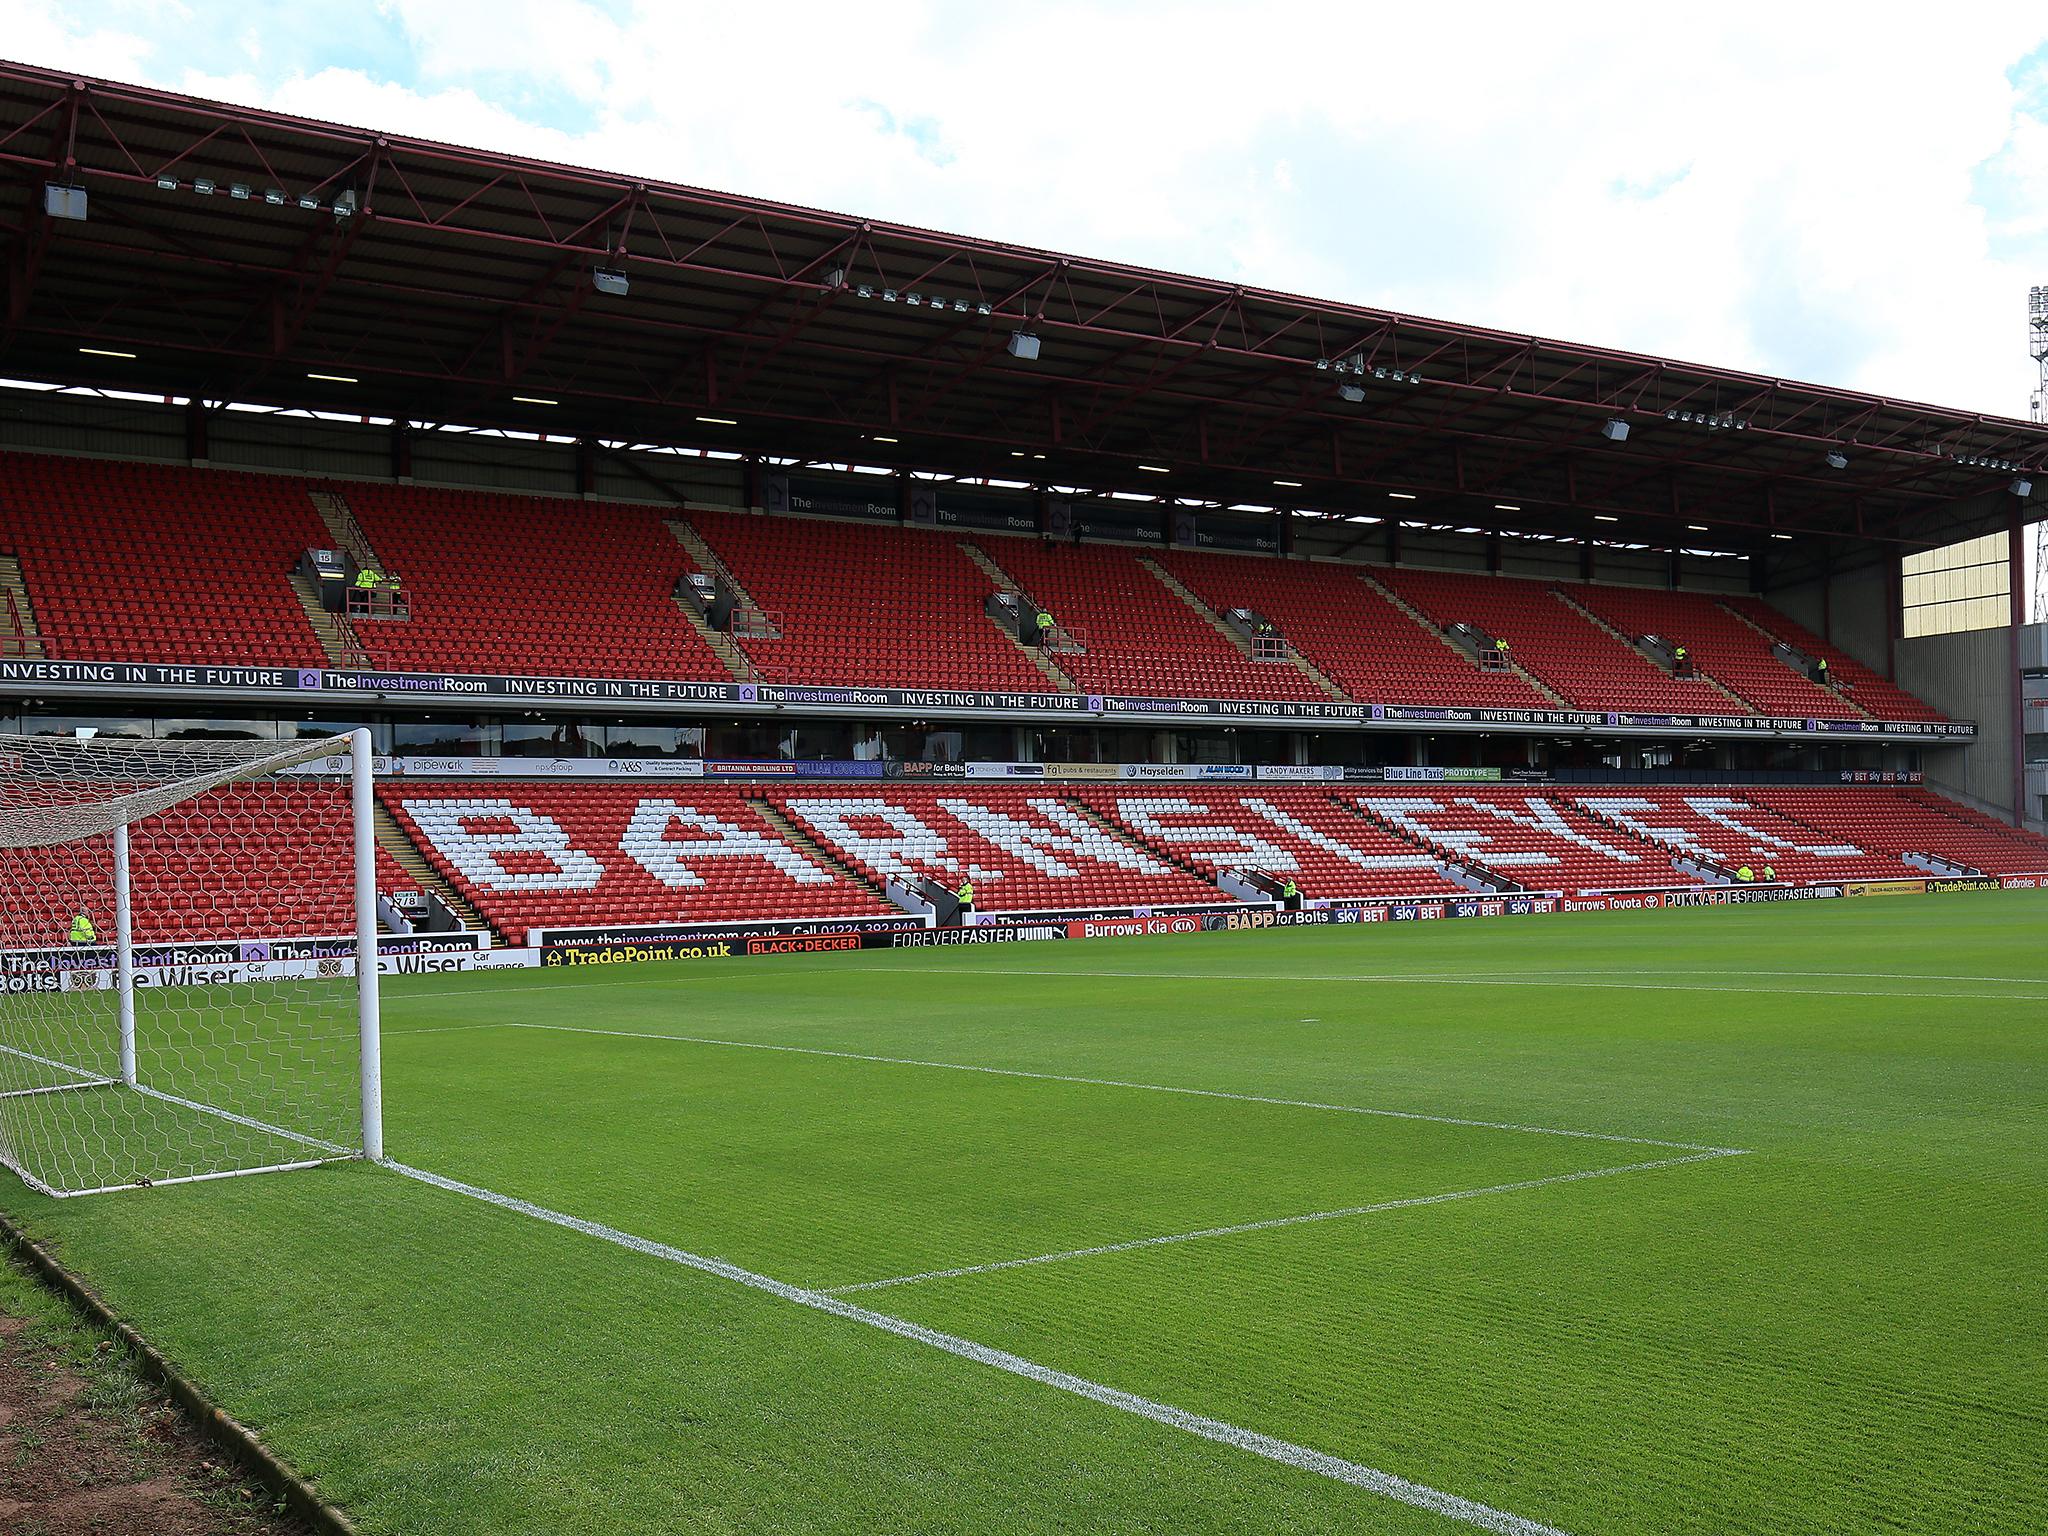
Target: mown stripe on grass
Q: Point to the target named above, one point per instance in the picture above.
(1534, 979)
(1271, 1223)
(1112, 1082)
(1385, 1484)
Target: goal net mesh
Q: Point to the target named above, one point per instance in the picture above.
(243, 1050)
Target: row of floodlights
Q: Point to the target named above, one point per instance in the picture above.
(1712, 421)
(1979, 461)
(918, 300)
(1356, 366)
(342, 207)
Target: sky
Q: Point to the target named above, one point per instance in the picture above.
(1848, 195)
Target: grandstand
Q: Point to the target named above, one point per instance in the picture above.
(718, 581)
(587, 588)
(576, 600)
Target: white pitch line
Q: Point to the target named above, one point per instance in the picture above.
(1387, 1485)
(1112, 1082)
(1273, 1222)
(825, 971)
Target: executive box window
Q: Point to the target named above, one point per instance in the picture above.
(1957, 587)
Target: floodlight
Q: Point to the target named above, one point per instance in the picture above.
(239, 191)
(1024, 346)
(308, 203)
(167, 183)
(64, 202)
(1614, 429)
(2023, 487)
(203, 186)
(274, 196)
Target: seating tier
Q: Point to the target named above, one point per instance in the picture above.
(872, 606)
(269, 860)
(1733, 831)
(1024, 849)
(1871, 689)
(1903, 821)
(158, 563)
(1525, 835)
(1721, 645)
(1567, 651)
(1296, 834)
(547, 855)
(1141, 638)
(1359, 640)
(529, 585)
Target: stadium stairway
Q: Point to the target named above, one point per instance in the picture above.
(1060, 681)
(19, 638)
(1514, 666)
(342, 526)
(1773, 639)
(736, 661)
(814, 850)
(336, 635)
(757, 619)
(1738, 705)
(1215, 621)
(391, 837)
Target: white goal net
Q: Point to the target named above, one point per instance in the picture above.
(180, 930)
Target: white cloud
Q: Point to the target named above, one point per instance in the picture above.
(1766, 189)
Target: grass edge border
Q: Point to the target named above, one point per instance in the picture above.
(212, 1422)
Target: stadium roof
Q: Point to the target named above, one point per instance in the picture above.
(244, 255)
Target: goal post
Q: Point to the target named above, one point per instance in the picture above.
(188, 959)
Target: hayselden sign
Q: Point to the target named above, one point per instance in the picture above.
(300, 684)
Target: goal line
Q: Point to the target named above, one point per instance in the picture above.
(1387, 1485)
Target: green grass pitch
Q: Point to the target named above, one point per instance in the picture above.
(1839, 1330)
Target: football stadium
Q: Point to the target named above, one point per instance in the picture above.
(673, 863)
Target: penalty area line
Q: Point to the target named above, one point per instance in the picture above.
(1386, 1485)
(1274, 1222)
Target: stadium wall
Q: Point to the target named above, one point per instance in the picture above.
(1849, 608)
(1971, 672)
